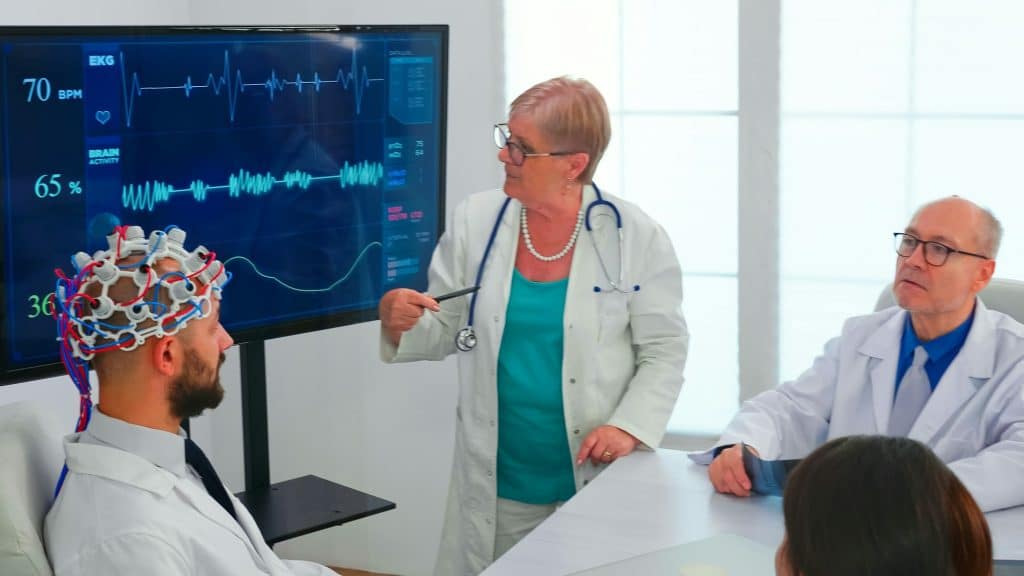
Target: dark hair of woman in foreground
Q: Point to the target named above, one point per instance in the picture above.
(880, 506)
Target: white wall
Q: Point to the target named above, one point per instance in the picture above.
(335, 410)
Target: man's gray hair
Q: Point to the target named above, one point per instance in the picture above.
(991, 234)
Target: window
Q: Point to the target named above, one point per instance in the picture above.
(887, 105)
(782, 142)
(668, 71)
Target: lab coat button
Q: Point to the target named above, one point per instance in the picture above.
(572, 380)
(492, 423)
(576, 431)
(495, 317)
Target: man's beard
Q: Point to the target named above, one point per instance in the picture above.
(197, 389)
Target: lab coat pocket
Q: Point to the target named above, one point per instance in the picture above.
(452, 316)
(614, 311)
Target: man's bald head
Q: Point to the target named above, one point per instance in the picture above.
(986, 228)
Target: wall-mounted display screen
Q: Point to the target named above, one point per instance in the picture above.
(311, 160)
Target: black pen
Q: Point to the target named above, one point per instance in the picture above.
(456, 293)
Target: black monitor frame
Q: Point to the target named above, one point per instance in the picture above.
(12, 375)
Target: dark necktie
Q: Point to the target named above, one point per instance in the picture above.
(195, 458)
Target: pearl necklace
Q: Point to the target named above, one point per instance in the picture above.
(529, 243)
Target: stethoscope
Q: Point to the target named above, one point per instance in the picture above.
(466, 339)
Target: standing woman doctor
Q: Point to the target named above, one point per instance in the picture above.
(571, 354)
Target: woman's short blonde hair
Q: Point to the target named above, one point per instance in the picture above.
(571, 114)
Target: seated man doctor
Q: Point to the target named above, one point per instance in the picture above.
(137, 495)
(939, 368)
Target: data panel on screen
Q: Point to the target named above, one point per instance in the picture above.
(310, 160)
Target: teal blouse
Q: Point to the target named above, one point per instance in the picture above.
(534, 461)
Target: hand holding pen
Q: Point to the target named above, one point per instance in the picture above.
(401, 308)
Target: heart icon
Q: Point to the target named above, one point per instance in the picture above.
(103, 116)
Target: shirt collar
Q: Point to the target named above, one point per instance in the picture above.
(948, 343)
(161, 448)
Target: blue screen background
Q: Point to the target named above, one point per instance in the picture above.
(312, 163)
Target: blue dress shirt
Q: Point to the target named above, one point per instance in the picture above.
(941, 351)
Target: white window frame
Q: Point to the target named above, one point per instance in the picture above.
(757, 204)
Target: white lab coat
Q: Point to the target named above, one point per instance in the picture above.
(974, 420)
(623, 354)
(118, 513)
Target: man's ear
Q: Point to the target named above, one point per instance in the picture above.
(166, 355)
(985, 272)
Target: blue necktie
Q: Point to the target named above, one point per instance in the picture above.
(195, 458)
(913, 394)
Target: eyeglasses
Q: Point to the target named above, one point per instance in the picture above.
(935, 253)
(516, 153)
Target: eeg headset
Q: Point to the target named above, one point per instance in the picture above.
(163, 305)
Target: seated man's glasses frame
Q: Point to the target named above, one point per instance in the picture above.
(935, 253)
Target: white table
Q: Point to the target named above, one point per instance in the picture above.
(649, 501)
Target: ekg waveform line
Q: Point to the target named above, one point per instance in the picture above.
(232, 85)
(145, 197)
(328, 288)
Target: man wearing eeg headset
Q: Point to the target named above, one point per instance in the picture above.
(138, 496)
(571, 353)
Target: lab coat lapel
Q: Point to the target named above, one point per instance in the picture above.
(134, 470)
(195, 495)
(245, 528)
(581, 314)
(498, 274)
(250, 527)
(971, 368)
(506, 246)
(882, 351)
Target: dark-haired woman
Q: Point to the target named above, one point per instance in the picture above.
(882, 506)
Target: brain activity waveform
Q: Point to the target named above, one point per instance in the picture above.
(146, 196)
(328, 288)
(230, 84)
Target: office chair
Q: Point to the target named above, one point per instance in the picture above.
(31, 458)
(1001, 294)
